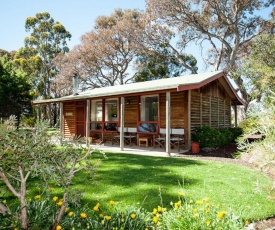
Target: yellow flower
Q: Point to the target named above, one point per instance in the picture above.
(67, 209)
(37, 197)
(122, 215)
(60, 203)
(70, 213)
(246, 222)
(51, 189)
(207, 210)
(181, 194)
(207, 223)
(164, 209)
(155, 219)
(206, 199)
(102, 222)
(179, 202)
(112, 203)
(159, 209)
(199, 202)
(83, 215)
(55, 198)
(176, 206)
(155, 211)
(122, 220)
(101, 215)
(58, 227)
(15, 229)
(96, 208)
(221, 214)
(133, 215)
(108, 218)
(195, 210)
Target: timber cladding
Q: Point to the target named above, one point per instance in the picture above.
(178, 100)
(210, 110)
(69, 119)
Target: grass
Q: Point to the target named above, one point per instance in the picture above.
(147, 182)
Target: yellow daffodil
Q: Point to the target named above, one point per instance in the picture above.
(112, 203)
(96, 207)
(133, 215)
(181, 194)
(155, 219)
(70, 213)
(155, 211)
(60, 203)
(199, 202)
(159, 209)
(55, 198)
(221, 214)
(83, 215)
(37, 197)
(108, 218)
(58, 227)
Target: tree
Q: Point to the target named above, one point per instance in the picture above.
(227, 27)
(105, 53)
(151, 66)
(15, 95)
(30, 153)
(259, 67)
(47, 39)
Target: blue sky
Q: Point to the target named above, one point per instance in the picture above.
(76, 15)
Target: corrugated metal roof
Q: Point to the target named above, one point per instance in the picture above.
(139, 87)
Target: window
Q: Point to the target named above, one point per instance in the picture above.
(96, 115)
(148, 114)
(111, 115)
(104, 115)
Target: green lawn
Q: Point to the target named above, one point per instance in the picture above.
(150, 181)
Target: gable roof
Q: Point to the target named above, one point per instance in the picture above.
(180, 83)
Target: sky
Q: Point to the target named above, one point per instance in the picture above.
(77, 16)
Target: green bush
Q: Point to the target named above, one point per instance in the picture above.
(211, 137)
(206, 136)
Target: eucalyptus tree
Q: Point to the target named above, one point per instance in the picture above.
(47, 39)
(105, 54)
(223, 29)
(152, 66)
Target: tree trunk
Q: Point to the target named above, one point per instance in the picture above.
(23, 203)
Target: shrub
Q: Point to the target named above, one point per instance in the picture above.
(211, 137)
(206, 136)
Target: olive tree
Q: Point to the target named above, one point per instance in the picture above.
(30, 153)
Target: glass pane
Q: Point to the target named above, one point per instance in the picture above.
(149, 108)
(96, 111)
(111, 108)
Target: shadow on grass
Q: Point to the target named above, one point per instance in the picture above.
(141, 180)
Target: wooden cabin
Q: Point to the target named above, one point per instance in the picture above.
(184, 103)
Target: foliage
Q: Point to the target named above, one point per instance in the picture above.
(259, 67)
(47, 39)
(153, 66)
(222, 29)
(103, 58)
(262, 152)
(29, 153)
(212, 137)
(185, 213)
(15, 96)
